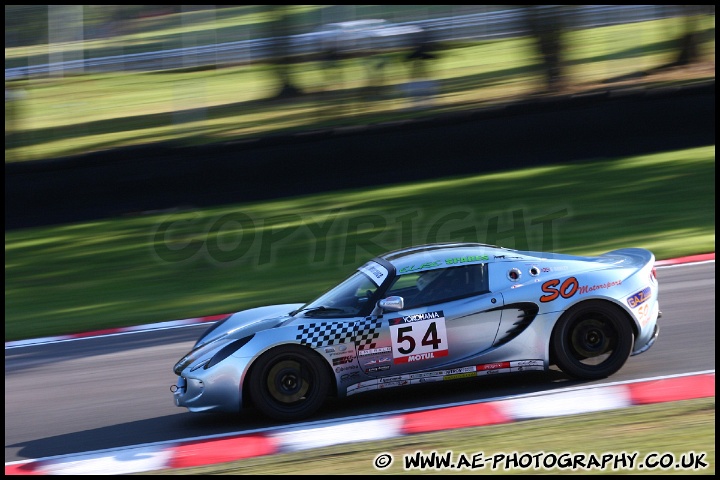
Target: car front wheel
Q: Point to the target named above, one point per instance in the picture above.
(289, 383)
(592, 340)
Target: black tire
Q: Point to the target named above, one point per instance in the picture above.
(289, 383)
(592, 340)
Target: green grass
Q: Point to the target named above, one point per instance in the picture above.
(676, 428)
(182, 264)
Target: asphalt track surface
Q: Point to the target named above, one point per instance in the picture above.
(112, 391)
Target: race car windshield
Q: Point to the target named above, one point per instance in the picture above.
(345, 300)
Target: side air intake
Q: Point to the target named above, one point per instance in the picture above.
(516, 317)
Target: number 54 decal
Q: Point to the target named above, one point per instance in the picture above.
(418, 337)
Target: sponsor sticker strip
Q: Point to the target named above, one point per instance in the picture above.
(450, 374)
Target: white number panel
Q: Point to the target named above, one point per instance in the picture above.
(418, 337)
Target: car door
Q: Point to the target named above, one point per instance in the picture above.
(439, 328)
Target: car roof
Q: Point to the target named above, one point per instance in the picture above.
(438, 255)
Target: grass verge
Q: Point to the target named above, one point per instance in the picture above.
(676, 430)
(190, 262)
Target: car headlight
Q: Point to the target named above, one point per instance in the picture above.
(201, 364)
(226, 351)
(199, 352)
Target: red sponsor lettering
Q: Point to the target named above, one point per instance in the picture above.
(568, 288)
(421, 356)
(493, 366)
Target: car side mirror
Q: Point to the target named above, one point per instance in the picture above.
(392, 303)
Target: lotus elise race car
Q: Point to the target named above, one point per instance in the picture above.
(427, 314)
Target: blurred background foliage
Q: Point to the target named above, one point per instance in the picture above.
(83, 78)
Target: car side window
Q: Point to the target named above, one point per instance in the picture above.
(440, 285)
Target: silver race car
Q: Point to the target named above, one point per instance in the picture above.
(427, 314)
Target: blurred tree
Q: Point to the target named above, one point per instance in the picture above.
(280, 27)
(423, 49)
(545, 24)
(689, 42)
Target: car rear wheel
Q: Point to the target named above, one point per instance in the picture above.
(592, 340)
(289, 383)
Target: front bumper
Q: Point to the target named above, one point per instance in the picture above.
(218, 389)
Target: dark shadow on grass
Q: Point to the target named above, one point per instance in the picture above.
(670, 46)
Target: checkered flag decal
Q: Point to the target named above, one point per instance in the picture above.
(324, 334)
(367, 332)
